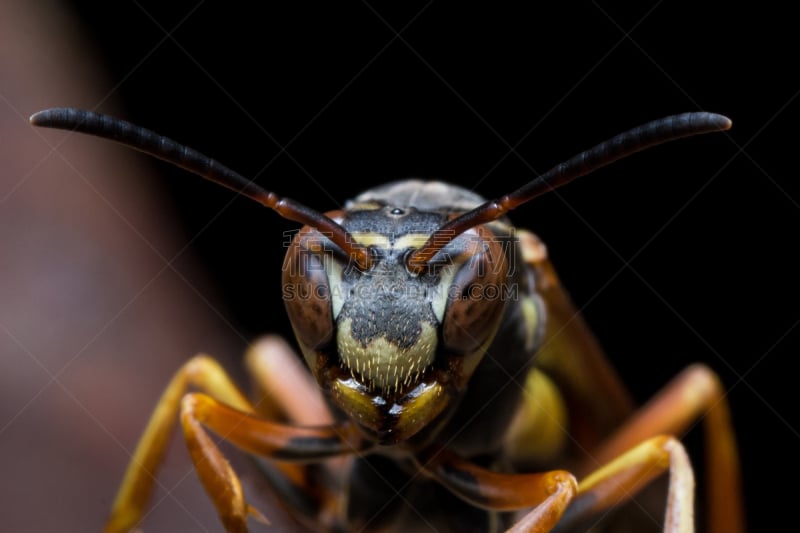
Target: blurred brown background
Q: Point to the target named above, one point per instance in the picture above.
(115, 269)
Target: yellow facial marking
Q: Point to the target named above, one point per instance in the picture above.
(334, 270)
(421, 407)
(439, 303)
(411, 240)
(369, 238)
(351, 397)
(383, 364)
(379, 240)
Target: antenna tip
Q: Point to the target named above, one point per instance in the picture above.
(712, 121)
(58, 117)
(704, 122)
(723, 122)
(46, 117)
(36, 118)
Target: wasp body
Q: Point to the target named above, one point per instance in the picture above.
(454, 385)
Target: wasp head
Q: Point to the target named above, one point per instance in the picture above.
(394, 347)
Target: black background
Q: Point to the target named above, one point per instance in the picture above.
(684, 253)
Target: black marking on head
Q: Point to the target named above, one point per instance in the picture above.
(387, 312)
(387, 302)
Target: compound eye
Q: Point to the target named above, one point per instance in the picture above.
(306, 291)
(475, 301)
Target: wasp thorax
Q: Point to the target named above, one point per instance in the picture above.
(386, 330)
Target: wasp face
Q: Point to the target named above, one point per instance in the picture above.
(386, 328)
(394, 348)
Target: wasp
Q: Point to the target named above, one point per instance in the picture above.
(446, 380)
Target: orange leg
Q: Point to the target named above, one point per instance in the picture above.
(555, 495)
(621, 479)
(695, 394)
(258, 437)
(225, 411)
(630, 459)
(549, 492)
(287, 390)
(201, 372)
